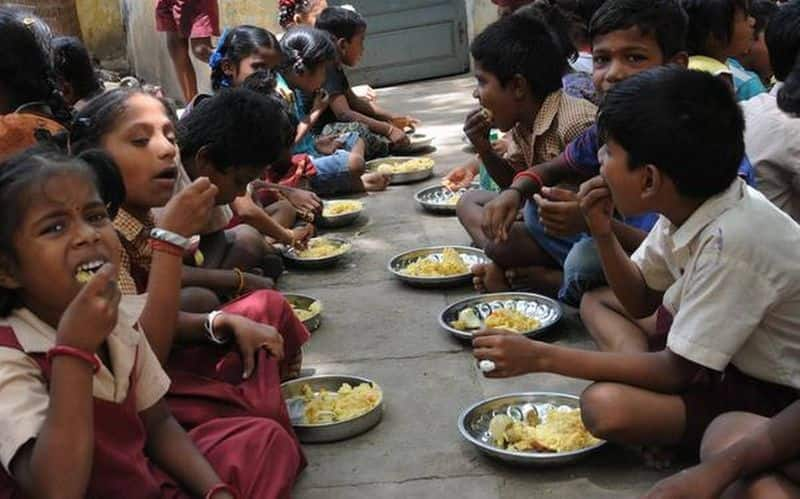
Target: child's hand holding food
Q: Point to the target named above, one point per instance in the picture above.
(511, 353)
(190, 209)
(559, 212)
(459, 177)
(92, 314)
(597, 206)
(477, 126)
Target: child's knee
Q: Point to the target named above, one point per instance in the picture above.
(600, 410)
(356, 164)
(726, 430)
(590, 305)
(198, 300)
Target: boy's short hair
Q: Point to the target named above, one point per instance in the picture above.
(685, 123)
(783, 40)
(665, 20)
(237, 127)
(762, 11)
(710, 17)
(341, 22)
(522, 45)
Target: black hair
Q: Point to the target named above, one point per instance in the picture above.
(307, 48)
(783, 42)
(26, 74)
(685, 123)
(665, 20)
(288, 8)
(263, 82)
(72, 63)
(235, 45)
(711, 17)
(587, 8)
(341, 22)
(522, 44)
(559, 20)
(762, 11)
(236, 127)
(99, 116)
(575, 18)
(36, 25)
(23, 172)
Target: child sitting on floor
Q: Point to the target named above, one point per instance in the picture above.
(211, 378)
(339, 160)
(380, 129)
(628, 36)
(728, 299)
(85, 414)
(772, 135)
(720, 32)
(743, 456)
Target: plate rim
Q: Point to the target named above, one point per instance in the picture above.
(518, 454)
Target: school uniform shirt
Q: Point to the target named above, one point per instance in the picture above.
(772, 141)
(24, 391)
(136, 253)
(560, 120)
(732, 288)
(746, 83)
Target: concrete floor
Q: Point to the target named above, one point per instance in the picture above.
(376, 327)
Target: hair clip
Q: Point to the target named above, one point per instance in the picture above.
(29, 21)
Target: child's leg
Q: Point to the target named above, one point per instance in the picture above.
(470, 213)
(258, 456)
(583, 271)
(611, 327)
(198, 300)
(731, 427)
(178, 47)
(631, 415)
(282, 212)
(242, 247)
(202, 48)
(519, 252)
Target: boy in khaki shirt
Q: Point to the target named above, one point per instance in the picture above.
(673, 146)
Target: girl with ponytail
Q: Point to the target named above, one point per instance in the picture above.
(242, 51)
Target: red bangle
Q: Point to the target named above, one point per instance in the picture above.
(221, 487)
(165, 247)
(83, 355)
(531, 175)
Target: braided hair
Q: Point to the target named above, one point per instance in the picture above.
(234, 46)
(288, 8)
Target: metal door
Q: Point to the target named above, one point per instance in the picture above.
(411, 40)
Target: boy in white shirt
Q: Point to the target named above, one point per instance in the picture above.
(673, 146)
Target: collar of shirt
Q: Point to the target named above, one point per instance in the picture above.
(706, 213)
(776, 88)
(130, 227)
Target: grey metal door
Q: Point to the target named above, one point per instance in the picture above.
(411, 40)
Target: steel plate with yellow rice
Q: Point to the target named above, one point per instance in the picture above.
(340, 213)
(403, 169)
(321, 252)
(436, 266)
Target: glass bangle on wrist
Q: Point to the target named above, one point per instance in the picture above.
(209, 326)
(77, 353)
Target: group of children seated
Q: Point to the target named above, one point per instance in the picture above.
(144, 361)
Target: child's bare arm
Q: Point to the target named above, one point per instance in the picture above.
(340, 106)
(58, 463)
(514, 355)
(628, 236)
(255, 216)
(223, 280)
(367, 108)
(772, 444)
(623, 276)
(173, 451)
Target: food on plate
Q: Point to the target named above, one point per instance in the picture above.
(467, 319)
(320, 247)
(450, 264)
(306, 313)
(558, 430)
(346, 403)
(336, 208)
(453, 199)
(411, 165)
(511, 320)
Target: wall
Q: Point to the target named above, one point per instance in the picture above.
(59, 14)
(480, 13)
(101, 27)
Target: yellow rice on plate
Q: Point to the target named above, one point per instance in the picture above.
(411, 165)
(320, 247)
(450, 264)
(561, 430)
(336, 208)
(346, 403)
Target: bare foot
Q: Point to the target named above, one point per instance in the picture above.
(375, 181)
(489, 278)
(657, 457)
(522, 277)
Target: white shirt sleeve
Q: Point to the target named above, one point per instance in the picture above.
(722, 302)
(24, 399)
(651, 260)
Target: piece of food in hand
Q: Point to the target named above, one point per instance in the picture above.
(487, 114)
(467, 319)
(86, 271)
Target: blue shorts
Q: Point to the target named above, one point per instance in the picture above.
(576, 255)
(333, 174)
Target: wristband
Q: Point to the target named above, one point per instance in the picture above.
(240, 275)
(530, 175)
(170, 237)
(64, 350)
(165, 247)
(221, 487)
(209, 326)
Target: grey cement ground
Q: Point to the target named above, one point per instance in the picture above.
(376, 327)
